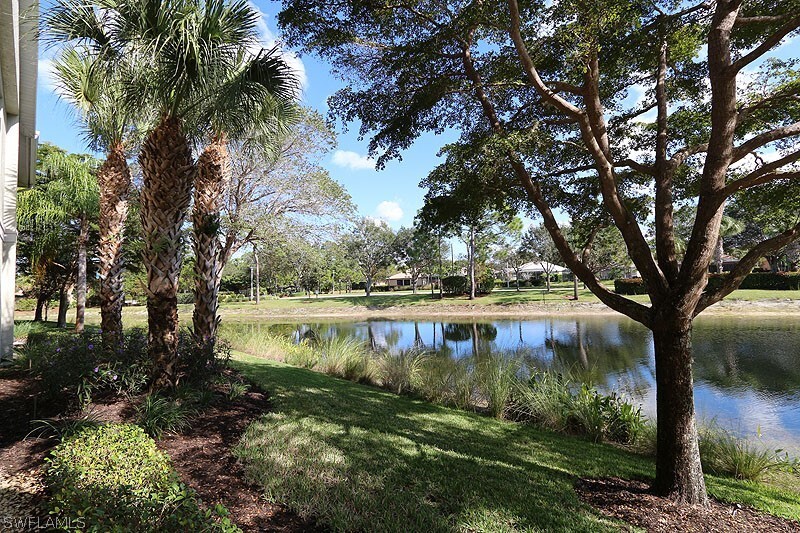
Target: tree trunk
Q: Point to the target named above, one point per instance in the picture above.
(471, 254)
(168, 174)
(368, 286)
(41, 300)
(547, 281)
(64, 297)
(80, 303)
(575, 286)
(718, 253)
(258, 275)
(114, 180)
(210, 184)
(679, 474)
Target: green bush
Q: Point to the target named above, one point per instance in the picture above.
(486, 283)
(346, 358)
(629, 286)
(75, 367)
(544, 400)
(25, 304)
(605, 417)
(115, 479)
(454, 284)
(775, 281)
(185, 298)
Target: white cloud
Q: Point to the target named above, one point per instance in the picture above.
(268, 40)
(352, 160)
(389, 211)
(46, 74)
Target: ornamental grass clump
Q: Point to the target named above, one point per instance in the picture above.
(544, 400)
(723, 453)
(400, 371)
(346, 358)
(496, 377)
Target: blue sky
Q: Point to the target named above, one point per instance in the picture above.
(392, 194)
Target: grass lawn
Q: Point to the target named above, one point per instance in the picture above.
(359, 458)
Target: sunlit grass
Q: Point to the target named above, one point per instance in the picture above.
(359, 458)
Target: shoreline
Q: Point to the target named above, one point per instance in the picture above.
(786, 309)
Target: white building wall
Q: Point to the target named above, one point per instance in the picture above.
(18, 66)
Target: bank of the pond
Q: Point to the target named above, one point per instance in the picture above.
(531, 303)
(359, 458)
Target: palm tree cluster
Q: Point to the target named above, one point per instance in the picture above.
(166, 80)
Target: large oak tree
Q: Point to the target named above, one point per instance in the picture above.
(547, 90)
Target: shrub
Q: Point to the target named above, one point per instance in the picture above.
(25, 304)
(486, 283)
(777, 281)
(157, 414)
(115, 479)
(629, 286)
(454, 284)
(75, 366)
(605, 417)
(400, 371)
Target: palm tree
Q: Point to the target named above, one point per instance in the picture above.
(173, 56)
(94, 90)
(68, 197)
(729, 227)
(255, 108)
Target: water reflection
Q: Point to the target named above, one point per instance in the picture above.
(747, 372)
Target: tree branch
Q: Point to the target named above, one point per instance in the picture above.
(763, 139)
(764, 174)
(765, 46)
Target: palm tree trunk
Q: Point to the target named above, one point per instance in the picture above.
(471, 253)
(168, 174)
(718, 253)
(80, 301)
(258, 275)
(114, 179)
(210, 185)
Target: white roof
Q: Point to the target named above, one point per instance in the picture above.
(541, 267)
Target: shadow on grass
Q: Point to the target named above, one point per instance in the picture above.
(358, 458)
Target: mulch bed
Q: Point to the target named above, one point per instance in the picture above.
(202, 456)
(633, 502)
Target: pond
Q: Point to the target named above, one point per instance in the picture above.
(747, 371)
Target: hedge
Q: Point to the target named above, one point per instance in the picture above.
(775, 281)
(454, 284)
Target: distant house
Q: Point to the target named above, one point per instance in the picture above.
(403, 279)
(537, 269)
(19, 52)
(728, 262)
